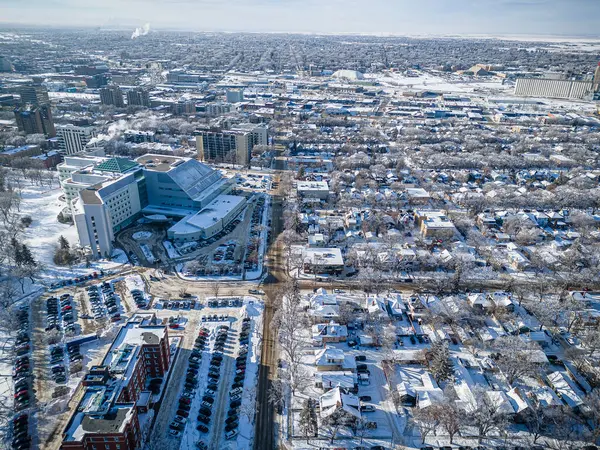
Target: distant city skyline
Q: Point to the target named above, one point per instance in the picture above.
(400, 17)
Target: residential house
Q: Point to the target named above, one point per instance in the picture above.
(323, 333)
(334, 359)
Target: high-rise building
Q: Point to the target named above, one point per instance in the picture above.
(224, 146)
(138, 97)
(35, 120)
(184, 107)
(117, 192)
(218, 109)
(596, 81)
(235, 95)
(34, 95)
(97, 81)
(73, 139)
(112, 95)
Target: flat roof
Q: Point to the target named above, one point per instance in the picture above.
(322, 256)
(215, 211)
(114, 421)
(312, 185)
(90, 196)
(158, 163)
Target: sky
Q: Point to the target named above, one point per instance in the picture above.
(401, 17)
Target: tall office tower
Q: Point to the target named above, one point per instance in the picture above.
(73, 139)
(235, 95)
(34, 94)
(112, 95)
(35, 120)
(138, 97)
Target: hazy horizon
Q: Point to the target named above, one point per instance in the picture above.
(483, 18)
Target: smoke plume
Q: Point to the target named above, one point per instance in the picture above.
(143, 31)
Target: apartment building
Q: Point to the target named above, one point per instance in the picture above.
(73, 139)
(35, 120)
(107, 417)
(138, 97)
(112, 95)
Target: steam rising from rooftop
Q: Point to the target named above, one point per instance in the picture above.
(143, 31)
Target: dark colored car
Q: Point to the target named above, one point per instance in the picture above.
(204, 419)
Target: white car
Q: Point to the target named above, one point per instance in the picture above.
(175, 433)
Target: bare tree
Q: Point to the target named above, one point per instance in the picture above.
(515, 357)
(450, 419)
(428, 420)
(216, 288)
(336, 421)
(487, 415)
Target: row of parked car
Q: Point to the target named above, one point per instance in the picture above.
(237, 388)
(215, 318)
(179, 304)
(20, 432)
(76, 280)
(225, 252)
(58, 371)
(214, 374)
(59, 313)
(139, 298)
(224, 302)
(253, 240)
(104, 302)
(190, 386)
(22, 381)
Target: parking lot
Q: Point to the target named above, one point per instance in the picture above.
(209, 402)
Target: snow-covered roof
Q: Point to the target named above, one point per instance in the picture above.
(335, 399)
(564, 390)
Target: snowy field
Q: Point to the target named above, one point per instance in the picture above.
(440, 82)
(43, 204)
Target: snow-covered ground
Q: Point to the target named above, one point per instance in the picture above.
(147, 253)
(440, 82)
(142, 235)
(43, 204)
(245, 436)
(135, 282)
(171, 251)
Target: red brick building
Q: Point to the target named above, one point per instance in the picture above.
(107, 416)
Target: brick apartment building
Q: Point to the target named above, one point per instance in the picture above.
(115, 391)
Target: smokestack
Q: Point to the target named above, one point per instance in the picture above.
(143, 31)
